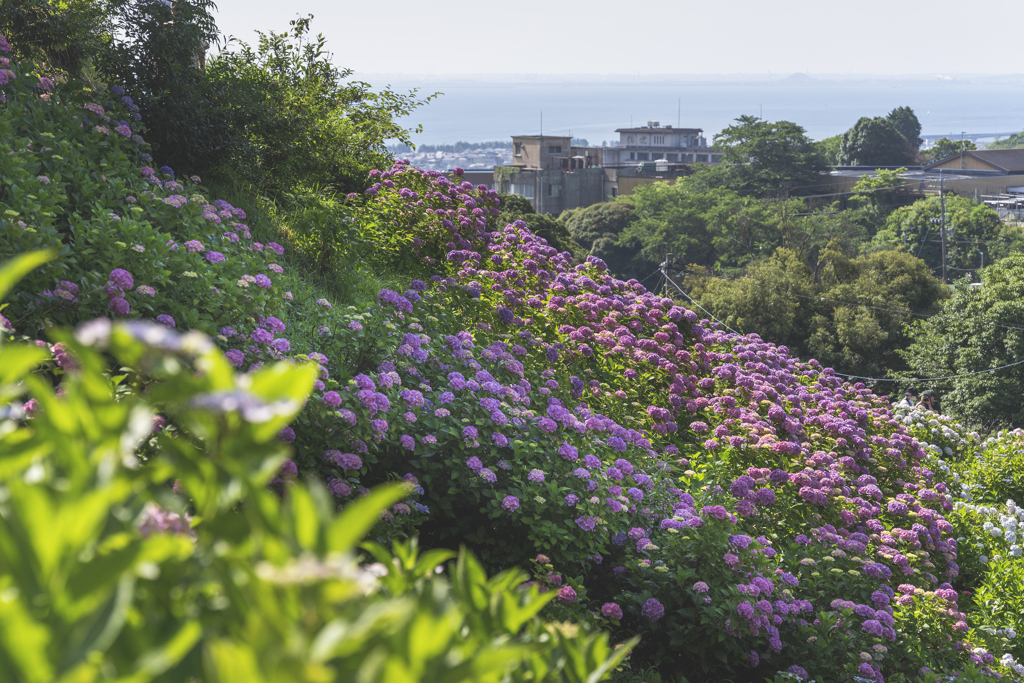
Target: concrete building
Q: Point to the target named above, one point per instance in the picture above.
(655, 142)
(556, 176)
(552, 174)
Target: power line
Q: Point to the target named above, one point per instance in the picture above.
(930, 314)
(690, 299)
(842, 374)
(930, 379)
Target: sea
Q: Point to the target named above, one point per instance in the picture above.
(476, 110)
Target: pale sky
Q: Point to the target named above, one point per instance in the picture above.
(651, 37)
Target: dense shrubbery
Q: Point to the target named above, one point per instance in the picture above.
(850, 313)
(744, 511)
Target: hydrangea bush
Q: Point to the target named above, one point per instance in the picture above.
(544, 406)
(188, 567)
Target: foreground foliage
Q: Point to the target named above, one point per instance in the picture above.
(139, 540)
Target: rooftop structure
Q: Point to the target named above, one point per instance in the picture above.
(655, 142)
(983, 162)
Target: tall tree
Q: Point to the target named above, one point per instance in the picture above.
(597, 229)
(874, 142)
(765, 158)
(944, 147)
(847, 312)
(979, 329)
(830, 149)
(915, 229)
(905, 121)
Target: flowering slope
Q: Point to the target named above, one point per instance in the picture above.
(543, 405)
(745, 510)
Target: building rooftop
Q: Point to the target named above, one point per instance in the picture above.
(1009, 161)
(648, 129)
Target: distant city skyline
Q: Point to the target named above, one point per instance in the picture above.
(543, 38)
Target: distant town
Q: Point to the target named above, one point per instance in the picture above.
(480, 156)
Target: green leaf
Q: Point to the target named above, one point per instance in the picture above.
(23, 640)
(307, 524)
(17, 361)
(18, 267)
(360, 516)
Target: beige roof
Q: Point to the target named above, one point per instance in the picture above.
(1010, 161)
(668, 129)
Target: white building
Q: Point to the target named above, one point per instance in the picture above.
(654, 141)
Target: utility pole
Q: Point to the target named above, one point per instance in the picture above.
(942, 200)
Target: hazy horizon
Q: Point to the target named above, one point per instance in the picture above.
(659, 36)
(731, 78)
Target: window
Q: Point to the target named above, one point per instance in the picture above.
(554, 149)
(658, 140)
(554, 190)
(632, 156)
(519, 149)
(615, 191)
(643, 156)
(523, 190)
(673, 157)
(702, 158)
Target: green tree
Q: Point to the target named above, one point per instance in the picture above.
(597, 228)
(1013, 142)
(916, 229)
(829, 148)
(847, 312)
(944, 147)
(299, 119)
(979, 328)
(874, 142)
(864, 307)
(598, 220)
(876, 195)
(768, 301)
(765, 158)
(810, 234)
(154, 53)
(712, 227)
(905, 121)
(62, 37)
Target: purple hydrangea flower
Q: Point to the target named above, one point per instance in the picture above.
(122, 279)
(120, 306)
(510, 504)
(611, 610)
(653, 609)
